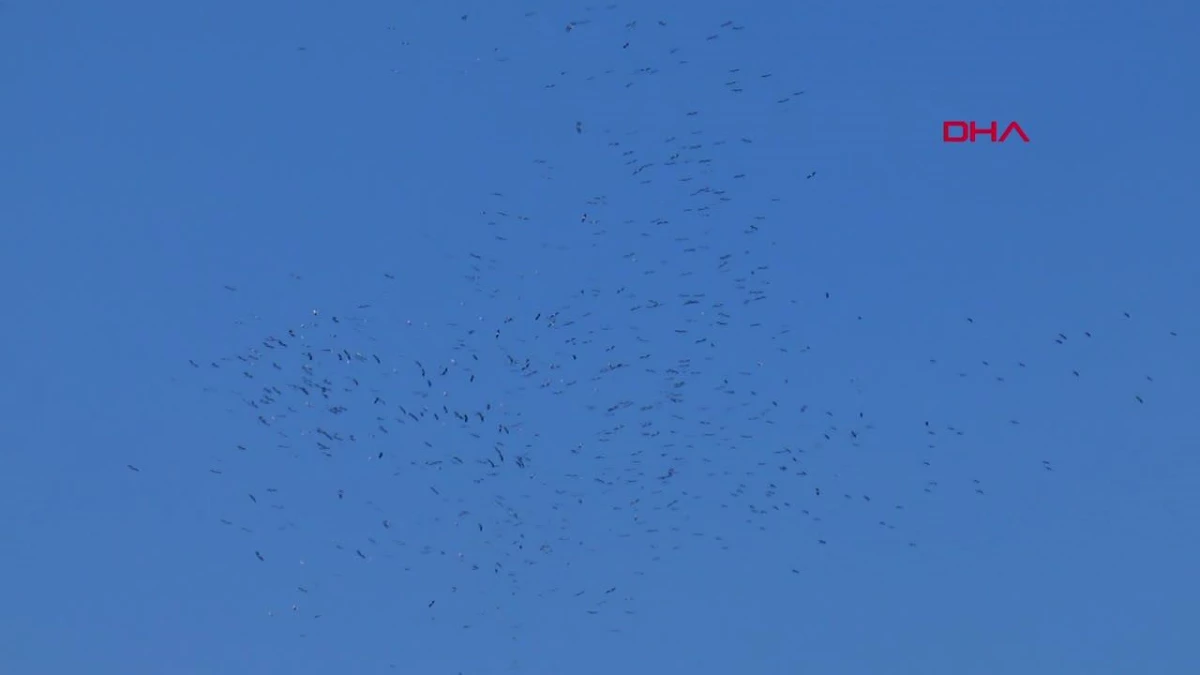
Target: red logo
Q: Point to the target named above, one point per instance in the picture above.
(962, 132)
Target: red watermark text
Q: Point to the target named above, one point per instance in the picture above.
(963, 132)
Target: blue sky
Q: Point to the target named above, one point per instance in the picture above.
(299, 152)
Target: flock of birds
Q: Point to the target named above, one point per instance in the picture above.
(552, 432)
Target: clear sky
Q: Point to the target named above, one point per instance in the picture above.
(996, 399)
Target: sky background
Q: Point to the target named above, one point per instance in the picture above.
(155, 153)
